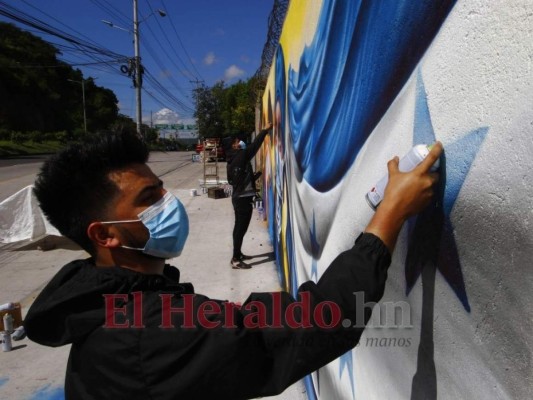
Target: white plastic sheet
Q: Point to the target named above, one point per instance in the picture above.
(22, 219)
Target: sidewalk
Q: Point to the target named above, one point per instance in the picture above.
(32, 372)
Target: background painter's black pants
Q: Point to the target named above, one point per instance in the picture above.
(243, 215)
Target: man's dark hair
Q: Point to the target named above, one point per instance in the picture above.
(227, 142)
(73, 187)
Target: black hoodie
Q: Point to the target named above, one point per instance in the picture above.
(240, 160)
(210, 348)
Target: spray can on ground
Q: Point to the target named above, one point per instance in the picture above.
(407, 163)
(8, 323)
(7, 306)
(5, 338)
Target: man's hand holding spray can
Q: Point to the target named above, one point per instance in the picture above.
(406, 190)
(408, 162)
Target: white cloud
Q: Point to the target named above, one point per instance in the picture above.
(233, 72)
(210, 58)
(165, 116)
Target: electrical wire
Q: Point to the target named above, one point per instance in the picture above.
(86, 52)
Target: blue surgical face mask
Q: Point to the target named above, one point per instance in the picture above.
(168, 224)
(242, 145)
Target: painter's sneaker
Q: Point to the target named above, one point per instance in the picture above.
(238, 264)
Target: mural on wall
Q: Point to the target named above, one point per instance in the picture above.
(340, 68)
(345, 81)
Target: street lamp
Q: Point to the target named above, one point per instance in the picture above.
(137, 58)
(83, 97)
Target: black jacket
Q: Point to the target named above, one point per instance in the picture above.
(240, 161)
(233, 360)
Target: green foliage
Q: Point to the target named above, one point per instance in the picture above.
(78, 134)
(36, 136)
(123, 122)
(8, 148)
(150, 135)
(18, 137)
(40, 93)
(221, 111)
(61, 137)
(5, 134)
(209, 110)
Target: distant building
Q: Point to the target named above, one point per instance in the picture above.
(185, 134)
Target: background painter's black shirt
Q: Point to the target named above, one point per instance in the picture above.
(240, 160)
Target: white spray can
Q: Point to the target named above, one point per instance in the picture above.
(407, 163)
(8, 323)
(5, 338)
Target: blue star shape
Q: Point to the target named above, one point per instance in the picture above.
(431, 235)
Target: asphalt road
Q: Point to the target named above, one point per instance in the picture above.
(17, 173)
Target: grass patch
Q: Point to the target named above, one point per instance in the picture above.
(8, 148)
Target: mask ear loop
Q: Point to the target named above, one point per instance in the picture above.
(126, 221)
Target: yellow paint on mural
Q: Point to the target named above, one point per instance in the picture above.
(298, 32)
(299, 29)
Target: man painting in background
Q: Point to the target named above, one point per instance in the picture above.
(241, 176)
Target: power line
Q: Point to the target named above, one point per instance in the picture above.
(83, 51)
(181, 43)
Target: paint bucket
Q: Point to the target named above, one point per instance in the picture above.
(194, 193)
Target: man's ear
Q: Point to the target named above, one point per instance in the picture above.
(101, 235)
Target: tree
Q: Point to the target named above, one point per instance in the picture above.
(239, 108)
(208, 110)
(29, 96)
(222, 111)
(39, 93)
(101, 106)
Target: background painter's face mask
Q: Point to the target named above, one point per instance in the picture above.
(168, 224)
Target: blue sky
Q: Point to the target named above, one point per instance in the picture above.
(204, 40)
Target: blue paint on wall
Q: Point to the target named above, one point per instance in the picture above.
(346, 362)
(360, 58)
(48, 393)
(278, 140)
(3, 380)
(436, 242)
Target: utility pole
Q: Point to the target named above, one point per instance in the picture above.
(138, 72)
(137, 81)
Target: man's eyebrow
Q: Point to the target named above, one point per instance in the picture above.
(148, 189)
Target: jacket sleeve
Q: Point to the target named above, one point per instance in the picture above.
(252, 149)
(274, 339)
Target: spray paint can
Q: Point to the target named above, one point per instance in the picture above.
(7, 306)
(407, 163)
(6, 341)
(8, 323)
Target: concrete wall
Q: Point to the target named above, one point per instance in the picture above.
(355, 83)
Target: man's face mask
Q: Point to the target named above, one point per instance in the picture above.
(242, 145)
(168, 224)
